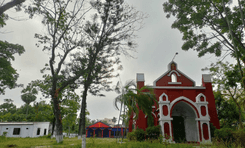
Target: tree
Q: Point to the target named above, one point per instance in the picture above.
(227, 79)
(63, 21)
(7, 107)
(69, 108)
(228, 113)
(109, 34)
(133, 100)
(210, 26)
(114, 120)
(6, 6)
(8, 75)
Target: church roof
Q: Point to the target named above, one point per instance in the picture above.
(170, 71)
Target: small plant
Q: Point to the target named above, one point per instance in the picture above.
(160, 138)
(5, 134)
(140, 134)
(153, 132)
(166, 140)
(132, 136)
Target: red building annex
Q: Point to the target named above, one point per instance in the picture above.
(102, 130)
(184, 110)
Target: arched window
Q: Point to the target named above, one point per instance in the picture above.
(173, 78)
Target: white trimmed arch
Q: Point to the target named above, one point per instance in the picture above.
(198, 97)
(160, 98)
(174, 71)
(188, 100)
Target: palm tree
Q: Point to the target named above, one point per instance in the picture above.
(133, 100)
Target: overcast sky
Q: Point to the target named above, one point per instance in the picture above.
(157, 44)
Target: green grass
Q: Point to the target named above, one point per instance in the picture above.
(45, 142)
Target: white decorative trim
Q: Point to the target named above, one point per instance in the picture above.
(199, 96)
(178, 87)
(202, 119)
(151, 113)
(160, 98)
(174, 83)
(198, 134)
(169, 70)
(188, 100)
(209, 137)
(153, 106)
(202, 103)
(165, 119)
(175, 72)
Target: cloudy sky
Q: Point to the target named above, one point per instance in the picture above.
(157, 44)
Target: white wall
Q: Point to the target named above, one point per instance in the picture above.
(26, 130)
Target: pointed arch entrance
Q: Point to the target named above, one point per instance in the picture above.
(184, 124)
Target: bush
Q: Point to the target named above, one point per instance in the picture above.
(239, 135)
(225, 134)
(140, 134)
(153, 132)
(212, 129)
(131, 135)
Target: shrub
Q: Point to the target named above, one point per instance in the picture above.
(132, 135)
(153, 132)
(212, 129)
(140, 134)
(239, 135)
(5, 134)
(225, 134)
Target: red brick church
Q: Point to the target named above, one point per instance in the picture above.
(184, 110)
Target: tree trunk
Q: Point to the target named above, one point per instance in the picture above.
(57, 113)
(123, 122)
(118, 121)
(84, 141)
(53, 125)
(9, 5)
(69, 132)
(27, 112)
(82, 116)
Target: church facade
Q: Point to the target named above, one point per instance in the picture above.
(184, 110)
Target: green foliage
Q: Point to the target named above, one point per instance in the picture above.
(8, 75)
(239, 135)
(212, 129)
(204, 25)
(132, 136)
(135, 99)
(229, 97)
(153, 132)
(9, 112)
(227, 110)
(140, 134)
(224, 134)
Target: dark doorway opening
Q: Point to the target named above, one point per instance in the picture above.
(179, 129)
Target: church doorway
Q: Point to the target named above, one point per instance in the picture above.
(184, 123)
(179, 129)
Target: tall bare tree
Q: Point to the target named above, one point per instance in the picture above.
(111, 32)
(63, 20)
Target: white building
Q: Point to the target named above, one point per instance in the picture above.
(24, 129)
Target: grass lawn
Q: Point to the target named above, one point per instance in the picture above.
(74, 142)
